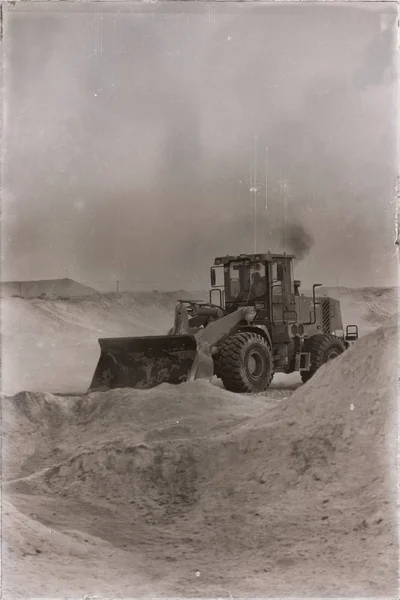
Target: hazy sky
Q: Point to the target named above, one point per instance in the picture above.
(135, 132)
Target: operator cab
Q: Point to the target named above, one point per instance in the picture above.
(262, 280)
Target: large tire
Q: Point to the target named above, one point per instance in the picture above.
(245, 363)
(323, 348)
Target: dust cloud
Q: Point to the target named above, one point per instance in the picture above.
(133, 139)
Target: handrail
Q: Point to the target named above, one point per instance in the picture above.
(312, 322)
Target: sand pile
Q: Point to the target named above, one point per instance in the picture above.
(121, 423)
(38, 559)
(218, 480)
(46, 288)
(27, 536)
(380, 304)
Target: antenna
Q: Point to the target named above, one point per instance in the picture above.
(266, 178)
(255, 195)
(285, 207)
(284, 199)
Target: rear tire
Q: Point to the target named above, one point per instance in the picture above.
(245, 363)
(323, 348)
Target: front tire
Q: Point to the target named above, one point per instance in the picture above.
(245, 363)
(323, 348)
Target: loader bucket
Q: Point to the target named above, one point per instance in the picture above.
(144, 362)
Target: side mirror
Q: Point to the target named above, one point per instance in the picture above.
(297, 284)
(213, 277)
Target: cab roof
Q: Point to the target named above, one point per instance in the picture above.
(223, 260)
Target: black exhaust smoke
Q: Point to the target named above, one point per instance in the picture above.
(297, 240)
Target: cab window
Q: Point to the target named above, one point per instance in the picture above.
(277, 278)
(274, 272)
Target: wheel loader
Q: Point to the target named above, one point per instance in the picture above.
(256, 323)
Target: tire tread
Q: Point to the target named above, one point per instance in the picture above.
(229, 366)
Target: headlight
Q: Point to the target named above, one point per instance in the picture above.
(338, 333)
(297, 329)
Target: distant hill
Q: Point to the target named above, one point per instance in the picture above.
(45, 288)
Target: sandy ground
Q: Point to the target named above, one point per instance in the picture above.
(194, 491)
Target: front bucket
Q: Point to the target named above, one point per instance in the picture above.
(144, 362)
